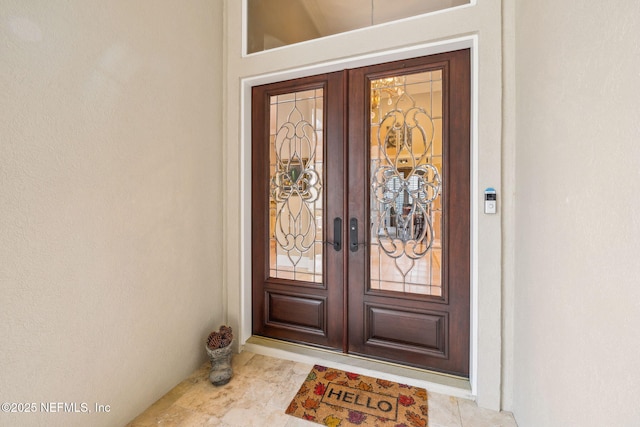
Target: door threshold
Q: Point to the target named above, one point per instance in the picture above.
(432, 381)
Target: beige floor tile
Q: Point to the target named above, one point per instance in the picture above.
(163, 406)
(239, 360)
(267, 368)
(443, 411)
(256, 416)
(286, 392)
(472, 416)
(302, 369)
(297, 422)
(175, 416)
(206, 398)
(261, 389)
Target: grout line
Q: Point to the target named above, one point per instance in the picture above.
(459, 412)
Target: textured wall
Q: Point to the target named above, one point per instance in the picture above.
(110, 185)
(578, 161)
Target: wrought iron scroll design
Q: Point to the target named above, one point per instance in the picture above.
(295, 185)
(404, 168)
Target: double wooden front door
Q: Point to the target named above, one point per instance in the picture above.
(361, 211)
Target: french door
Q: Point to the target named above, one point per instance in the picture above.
(361, 211)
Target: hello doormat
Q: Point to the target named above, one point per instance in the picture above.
(339, 399)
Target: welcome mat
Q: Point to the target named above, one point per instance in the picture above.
(339, 399)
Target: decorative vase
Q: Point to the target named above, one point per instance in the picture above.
(221, 371)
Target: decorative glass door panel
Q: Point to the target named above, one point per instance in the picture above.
(406, 182)
(295, 203)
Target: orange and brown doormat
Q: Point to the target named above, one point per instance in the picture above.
(339, 399)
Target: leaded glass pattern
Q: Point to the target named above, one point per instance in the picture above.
(295, 202)
(406, 181)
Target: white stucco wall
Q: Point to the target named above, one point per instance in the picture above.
(577, 293)
(480, 23)
(110, 182)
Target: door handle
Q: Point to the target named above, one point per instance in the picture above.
(353, 235)
(337, 234)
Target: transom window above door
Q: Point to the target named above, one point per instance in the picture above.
(276, 23)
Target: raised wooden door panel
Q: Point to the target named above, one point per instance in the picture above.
(297, 192)
(409, 192)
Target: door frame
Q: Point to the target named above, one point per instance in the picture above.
(311, 314)
(492, 325)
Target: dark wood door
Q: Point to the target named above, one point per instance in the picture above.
(297, 210)
(397, 195)
(409, 200)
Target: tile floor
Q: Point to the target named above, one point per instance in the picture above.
(261, 390)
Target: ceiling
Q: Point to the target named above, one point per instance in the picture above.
(274, 23)
(336, 16)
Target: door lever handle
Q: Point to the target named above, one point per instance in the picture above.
(353, 235)
(337, 234)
